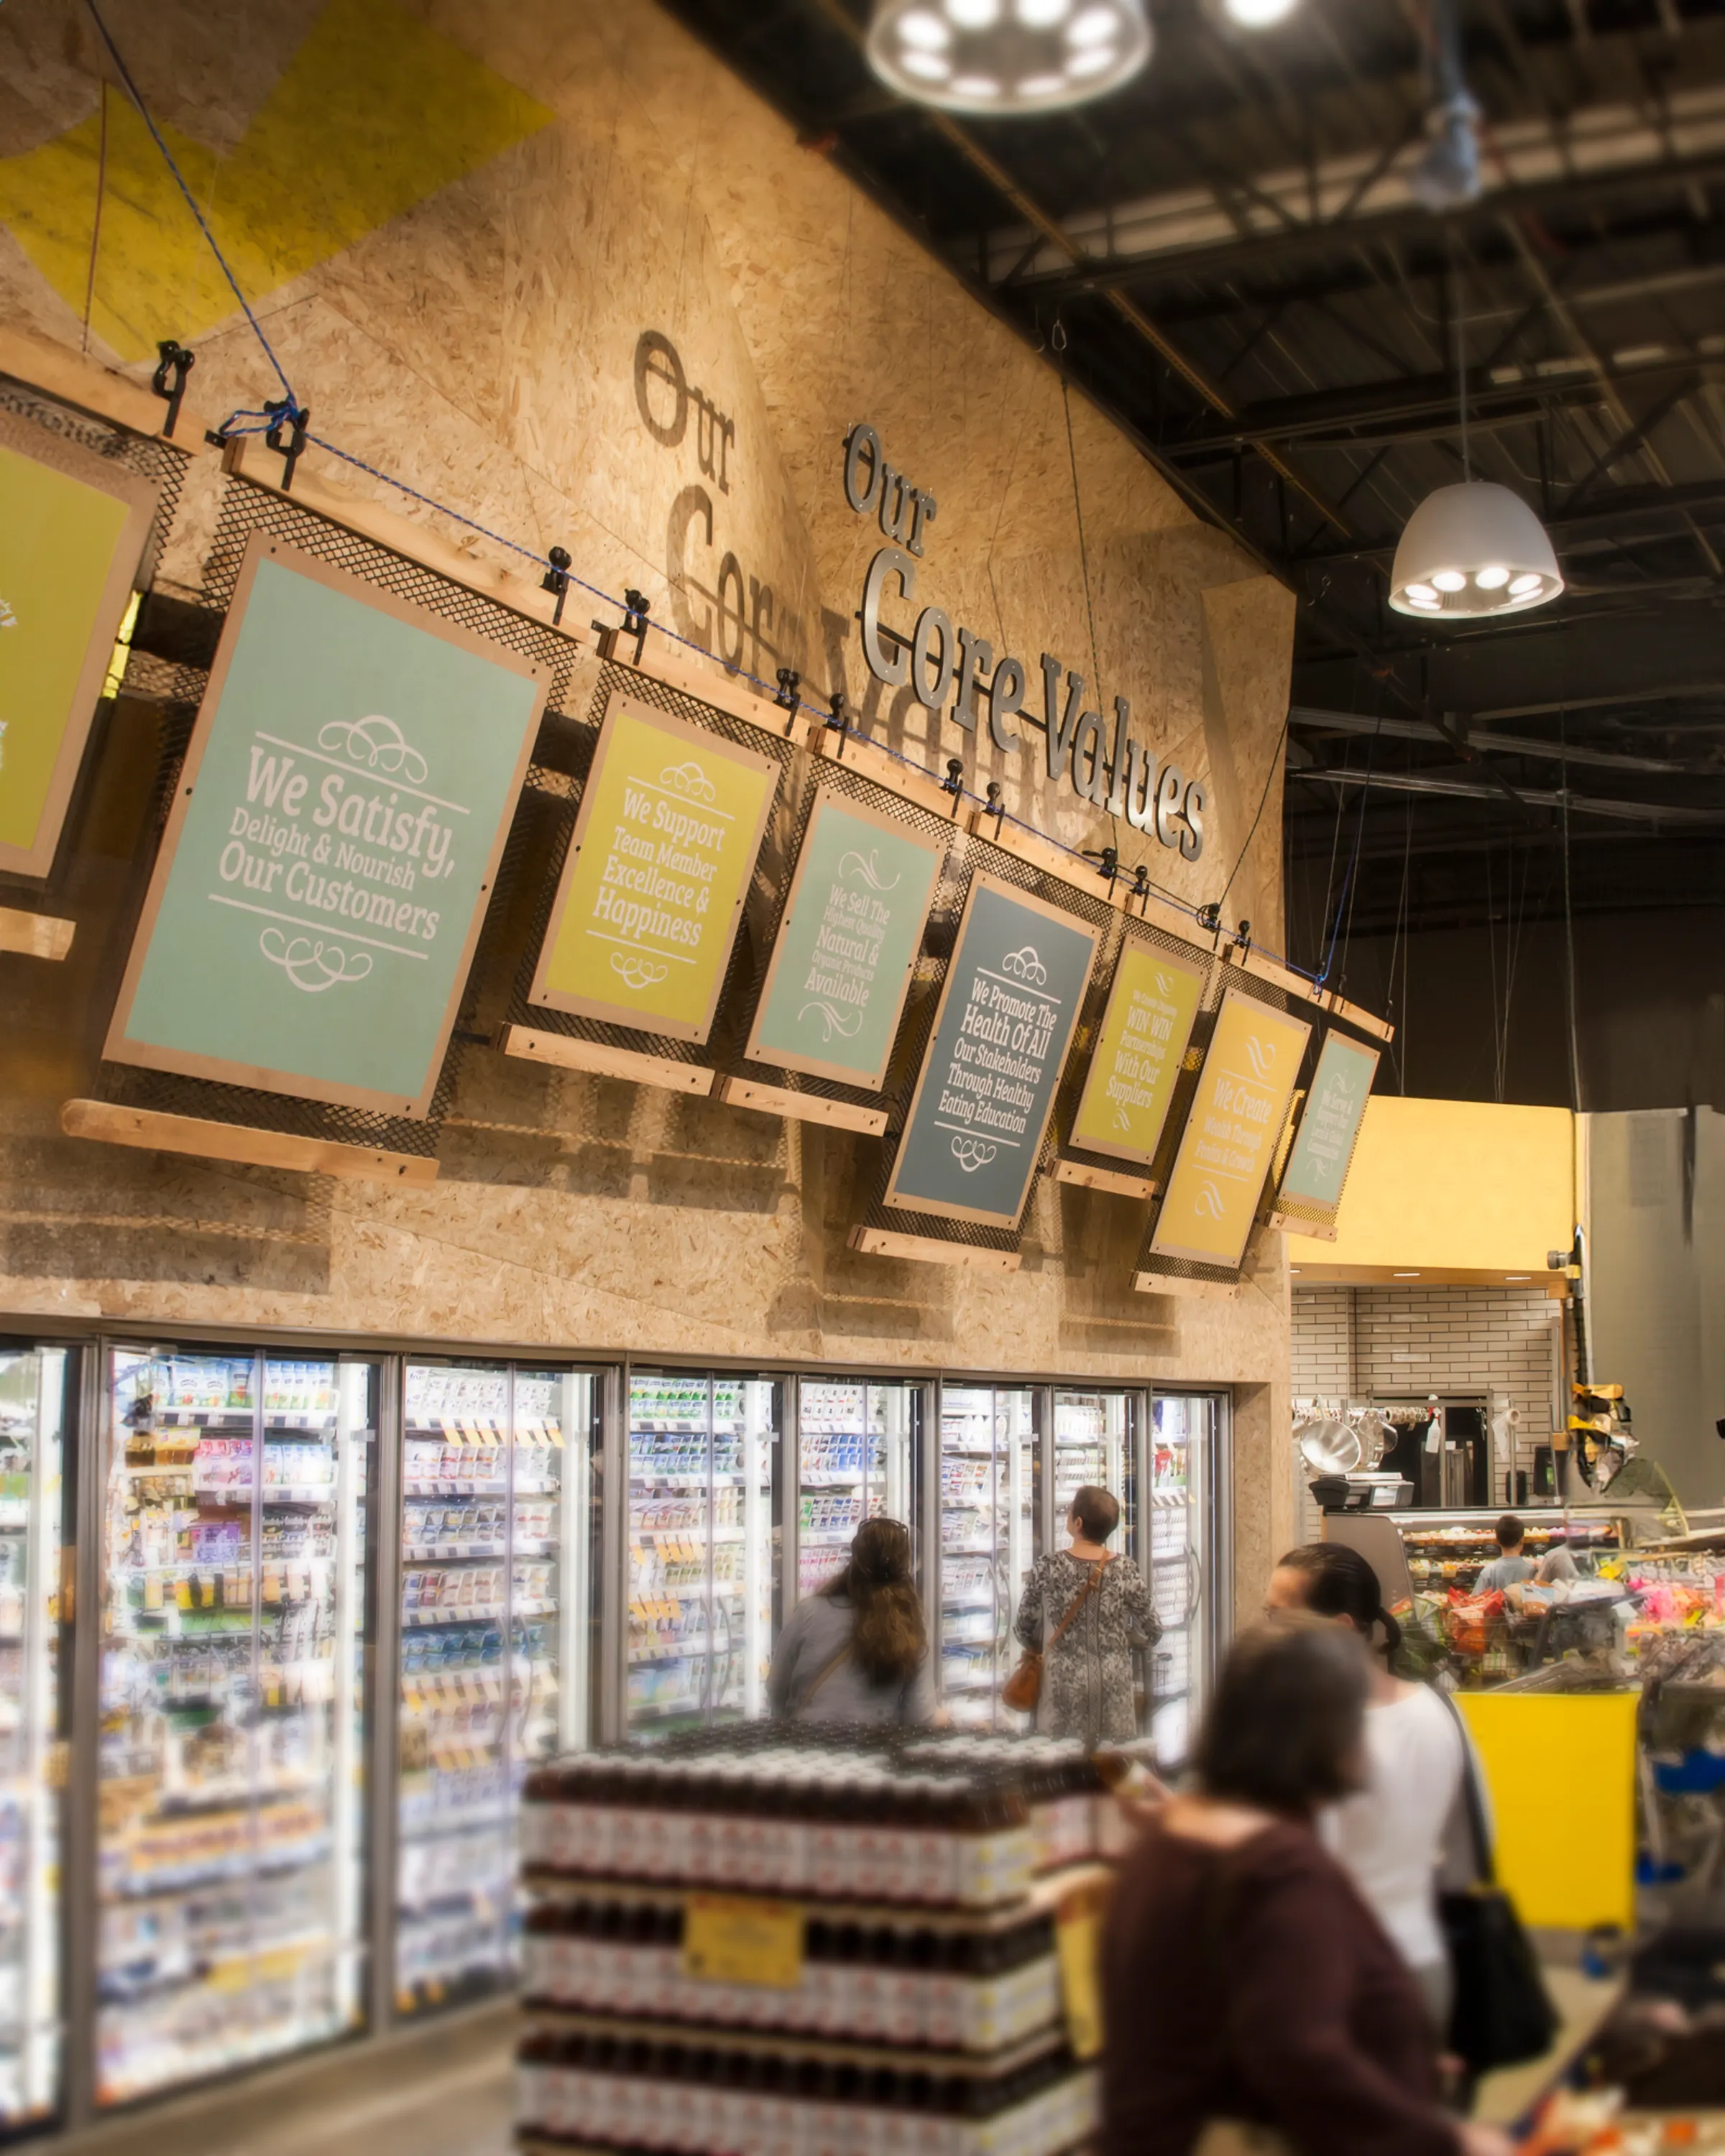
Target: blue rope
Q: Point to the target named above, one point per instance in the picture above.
(137, 97)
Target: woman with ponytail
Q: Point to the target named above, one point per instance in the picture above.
(1397, 1833)
(857, 1651)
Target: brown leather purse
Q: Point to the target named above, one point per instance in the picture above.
(1023, 1690)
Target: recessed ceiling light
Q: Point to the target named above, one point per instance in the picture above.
(974, 14)
(1493, 579)
(1406, 1276)
(1256, 14)
(1519, 587)
(1422, 595)
(931, 67)
(1518, 1276)
(981, 86)
(1450, 580)
(1093, 26)
(1090, 60)
(1035, 87)
(1041, 14)
(1001, 56)
(923, 27)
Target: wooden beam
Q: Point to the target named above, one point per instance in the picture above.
(1352, 1014)
(72, 379)
(35, 934)
(800, 1107)
(887, 1243)
(1025, 844)
(569, 1052)
(1200, 1289)
(1114, 1180)
(156, 1133)
(891, 773)
(247, 459)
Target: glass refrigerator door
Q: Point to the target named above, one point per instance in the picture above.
(987, 1543)
(497, 1483)
(855, 1464)
(231, 1814)
(703, 1549)
(31, 1394)
(1182, 1457)
(1092, 1444)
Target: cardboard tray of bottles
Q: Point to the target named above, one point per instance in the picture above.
(793, 1943)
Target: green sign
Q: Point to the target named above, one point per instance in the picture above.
(1011, 998)
(1335, 1108)
(650, 898)
(1151, 1007)
(847, 946)
(73, 530)
(334, 836)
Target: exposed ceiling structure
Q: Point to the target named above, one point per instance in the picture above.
(1228, 255)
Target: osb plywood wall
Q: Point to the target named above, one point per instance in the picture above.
(457, 219)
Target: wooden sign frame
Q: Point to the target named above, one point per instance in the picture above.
(813, 1067)
(117, 1048)
(624, 1015)
(941, 1209)
(141, 499)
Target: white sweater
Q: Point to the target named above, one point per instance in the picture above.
(1390, 1837)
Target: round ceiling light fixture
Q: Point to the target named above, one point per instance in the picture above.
(1258, 14)
(1009, 55)
(1471, 549)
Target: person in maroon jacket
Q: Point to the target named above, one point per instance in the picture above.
(1246, 1986)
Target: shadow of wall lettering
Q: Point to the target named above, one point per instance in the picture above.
(717, 600)
(160, 1218)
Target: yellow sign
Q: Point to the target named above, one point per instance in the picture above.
(1078, 1937)
(71, 540)
(732, 1938)
(1229, 1141)
(650, 898)
(1151, 1008)
(1567, 1866)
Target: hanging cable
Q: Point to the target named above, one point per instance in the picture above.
(1569, 926)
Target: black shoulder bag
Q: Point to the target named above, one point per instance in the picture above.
(1503, 2015)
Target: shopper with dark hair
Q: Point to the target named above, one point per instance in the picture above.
(1086, 1611)
(1396, 1834)
(1512, 1568)
(857, 1651)
(1245, 1984)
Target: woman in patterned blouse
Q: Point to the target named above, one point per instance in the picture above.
(1087, 1676)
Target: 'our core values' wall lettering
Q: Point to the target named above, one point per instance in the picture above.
(1329, 1125)
(335, 832)
(651, 895)
(72, 538)
(1011, 998)
(1151, 1008)
(847, 946)
(1236, 1117)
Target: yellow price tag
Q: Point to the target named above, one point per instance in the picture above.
(730, 1938)
(1078, 1936)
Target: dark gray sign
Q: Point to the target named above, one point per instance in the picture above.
(1013, 990)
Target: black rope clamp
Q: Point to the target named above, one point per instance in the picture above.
(173, 363)
(1243, 936)
(953, 783)
(285, 413)
(1141, 882)
(1108, 862)
(1210, 918)
(789, 682)
(636, 606)
(995, 805)
(839, 722)
(555, 581)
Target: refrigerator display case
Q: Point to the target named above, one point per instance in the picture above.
(988, 1541)
(1184, 1540)
(497, 1645)
(704, 1547)
(1094, 1443)
(232, 1749)
(33, 1394)
(855, 1462)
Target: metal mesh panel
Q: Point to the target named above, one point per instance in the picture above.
(1260, 991)
(730, 1036)
(558, 795)
(969, 856)
(1078, 1067)
(246, 509)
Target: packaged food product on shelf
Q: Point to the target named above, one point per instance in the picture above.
(790, 1940)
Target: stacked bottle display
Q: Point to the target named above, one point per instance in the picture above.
(703, 1454)
(494, 1506)
(230, 1842)
(32, 1392)
(988, 1542)
(923, 2010)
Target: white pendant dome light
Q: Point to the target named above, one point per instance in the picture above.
(1006, 56)
(1474, 548)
